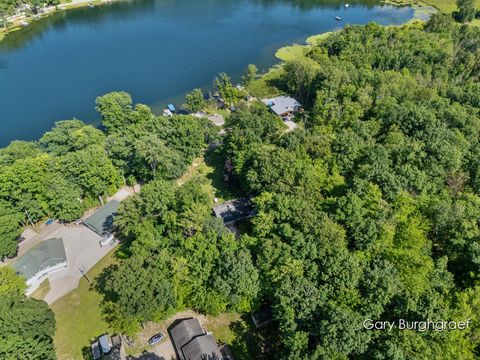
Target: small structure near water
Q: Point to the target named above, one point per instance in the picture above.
(283, 106)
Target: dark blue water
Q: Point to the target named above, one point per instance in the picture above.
(155, 49)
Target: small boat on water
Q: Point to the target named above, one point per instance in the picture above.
(347, 5)
(338, 18)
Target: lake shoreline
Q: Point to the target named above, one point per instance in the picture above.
(75, 36)
(21, 20)
(422, 12)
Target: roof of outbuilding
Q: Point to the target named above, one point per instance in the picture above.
(46, 254)
(102, 220)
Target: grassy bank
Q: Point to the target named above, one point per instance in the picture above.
(445, 6)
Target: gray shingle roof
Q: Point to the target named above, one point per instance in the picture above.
(192, 343)
(233, 210)
(46, 254)
(185, 331)
(202, 348)
(282, 104)
(102, 220)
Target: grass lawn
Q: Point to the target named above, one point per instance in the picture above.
(312, 40)
(211, 166)
(238, 332)
(42, 290)
(78, 315)
(445, 6)
(292, 52)
(264, 86)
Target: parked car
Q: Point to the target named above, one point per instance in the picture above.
(96, 351)
(107, 240)
(105, 343)
(155, 339)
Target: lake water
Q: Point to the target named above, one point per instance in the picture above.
(157, 50)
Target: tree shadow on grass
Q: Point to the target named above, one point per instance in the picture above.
(99, 284)
(216, 159)
(250, 342)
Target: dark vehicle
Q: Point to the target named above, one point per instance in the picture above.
(96, 351)
(155, 339)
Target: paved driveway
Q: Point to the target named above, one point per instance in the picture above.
(83, 251)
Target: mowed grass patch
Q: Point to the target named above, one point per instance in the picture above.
(78, 315)
(314, 39)
(42, 290)
(289, 53)
(445, 6)
(264, 86)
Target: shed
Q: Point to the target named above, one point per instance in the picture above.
(101, 221)
(171, 107)
(41, 260)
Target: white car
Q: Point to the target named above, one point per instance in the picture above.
(107, 240)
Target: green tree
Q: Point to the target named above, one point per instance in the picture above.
(163, 161)
(116, 110)
(10, 229)
(91, 170)
(27, 327)
(194, 101)
(230, 94)
(250, 74)
(141, 290)
(10, 282)
(71, 135)
(465, 10)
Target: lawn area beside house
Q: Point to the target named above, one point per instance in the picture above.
(78, 315)
(42, 290)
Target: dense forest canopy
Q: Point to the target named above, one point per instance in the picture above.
(368, 211)
(26, 325)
